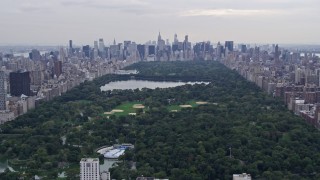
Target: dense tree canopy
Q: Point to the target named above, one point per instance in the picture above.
(264, 138)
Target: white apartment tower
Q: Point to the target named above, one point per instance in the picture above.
(89, 169)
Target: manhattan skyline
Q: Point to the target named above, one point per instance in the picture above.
(35, 22)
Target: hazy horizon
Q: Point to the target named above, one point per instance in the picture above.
(54, 22)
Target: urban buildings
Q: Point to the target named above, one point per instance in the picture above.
(105, 175)
(3, 93)
(89, 169)
(290, 74)
(20, 83)
(57, 71)
(229, 46)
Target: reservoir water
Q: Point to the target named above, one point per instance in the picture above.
(139, 84)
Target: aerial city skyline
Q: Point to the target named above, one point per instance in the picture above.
(36, 22)
(74, 75)
(159, 89)
(31, 75)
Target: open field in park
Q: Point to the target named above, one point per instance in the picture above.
(127, 108)
(175, 108)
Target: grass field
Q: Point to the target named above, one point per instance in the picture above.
(127, 108)
(178, 108)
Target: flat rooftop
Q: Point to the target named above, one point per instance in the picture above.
(89, 159)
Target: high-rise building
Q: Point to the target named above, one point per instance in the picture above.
(95, 45)
(126, 45)
(161, 43)
(142, 51)
(228, 46)
(101, 45)
(35, 55)
(70, 48)
(277, 54)
(20, 83)
(175, 41)
(89, 169)
(2, 91)
(114, 51)
(243, 48)
(36, 77)
(62, 54)
(114, 41)
(151, 50)
(70, 44)
(57, 69)
(219, 50)
(185, 43)
(86, 51)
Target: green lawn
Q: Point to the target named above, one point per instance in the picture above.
(178, 108)
(127, 108)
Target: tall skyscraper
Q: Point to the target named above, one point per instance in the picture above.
(2, 92)
(142, 51)
(276, 52)
(151, 50)
(229, 46)
(89, 169)
(62, 54)
(160, 44)
(96, 45)
(243, 48)
(159, 37)
(70, 48)
(86, 51)
(277, 55)
(219, 50)
(101, 45)
(175, 41)
(57, 69)
(70, 44)
(20, 83)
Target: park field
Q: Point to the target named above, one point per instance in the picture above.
(126, 108)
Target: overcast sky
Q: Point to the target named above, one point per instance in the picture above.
(54, 22)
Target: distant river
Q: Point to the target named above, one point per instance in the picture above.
(26, 54)
(139, 84)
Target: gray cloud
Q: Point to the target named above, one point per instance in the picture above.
(35, 8)
(131, 7)
(56, 21)
(231, 12)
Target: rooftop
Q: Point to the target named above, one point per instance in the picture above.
(89, 160)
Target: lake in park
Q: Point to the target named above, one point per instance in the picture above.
(139, 84)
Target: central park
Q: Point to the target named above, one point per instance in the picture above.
(217, 125)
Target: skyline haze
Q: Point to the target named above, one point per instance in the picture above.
(54, 22)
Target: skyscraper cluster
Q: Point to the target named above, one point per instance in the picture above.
(26, 81)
